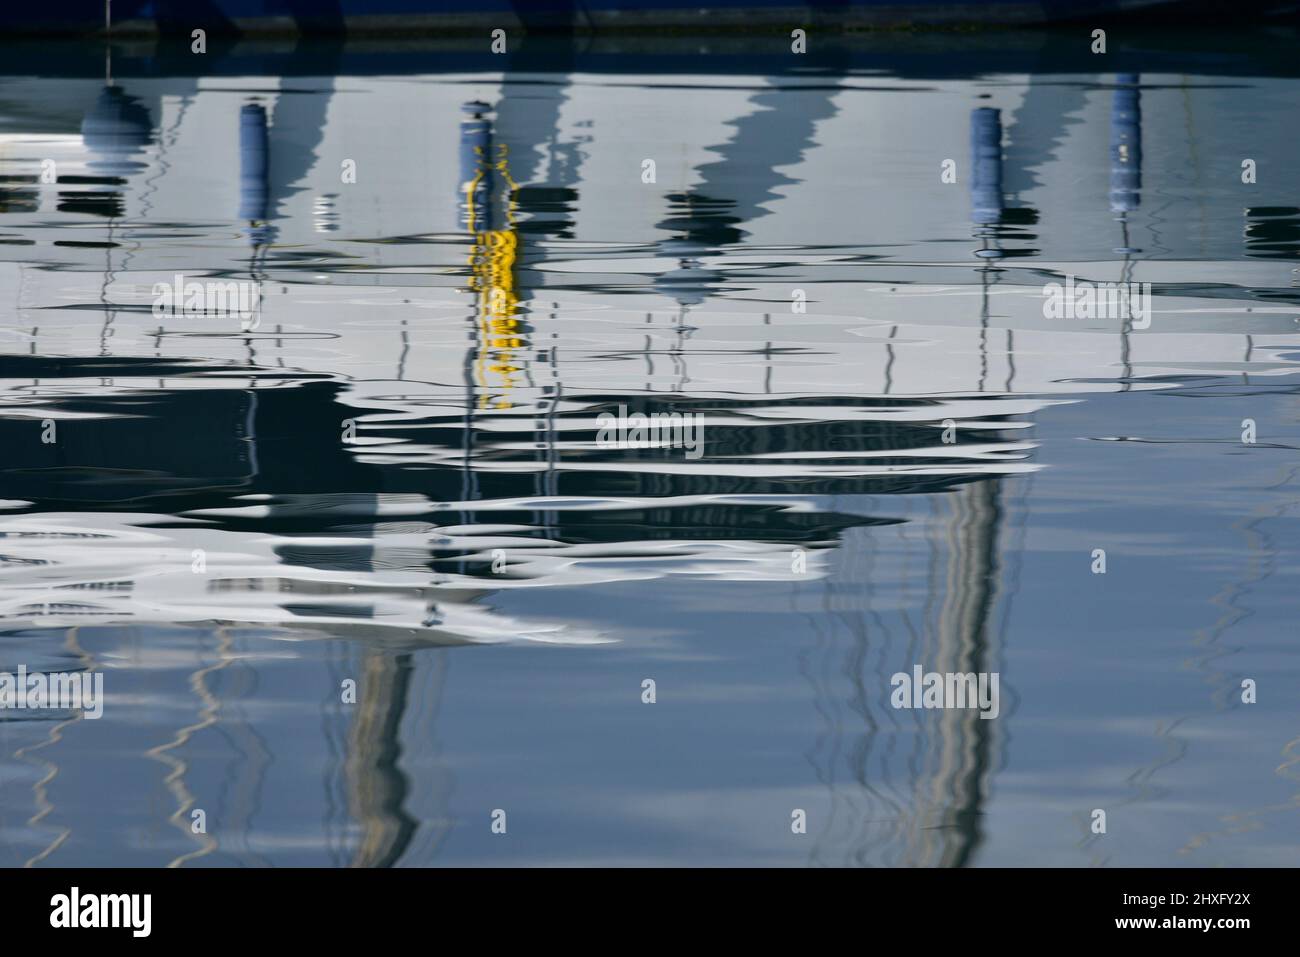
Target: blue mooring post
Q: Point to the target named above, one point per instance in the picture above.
(253, 162)
(986, 173)
(116, 130)
(1125, 144)
(1126, 150)
(986, 159)
(475, 168)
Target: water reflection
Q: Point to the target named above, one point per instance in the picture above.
(397, 458)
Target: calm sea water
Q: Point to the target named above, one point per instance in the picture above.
(388, 474)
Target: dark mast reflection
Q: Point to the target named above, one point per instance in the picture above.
(1126, 186)
(948, 812)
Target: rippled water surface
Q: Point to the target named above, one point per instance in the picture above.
(390, 473)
